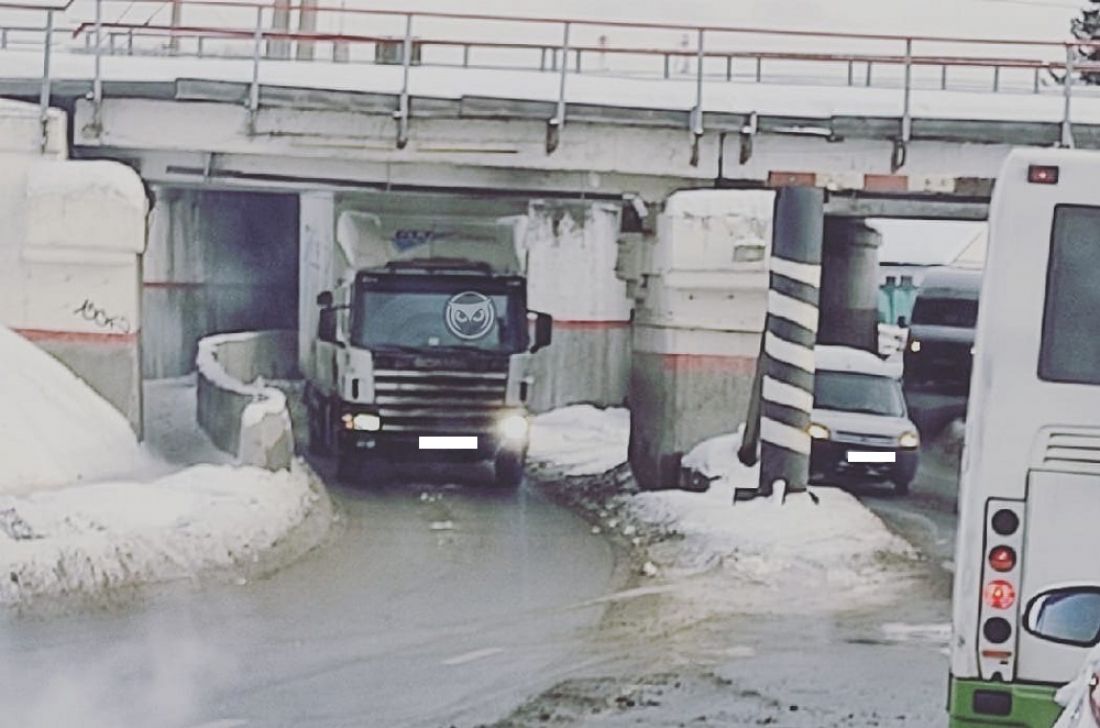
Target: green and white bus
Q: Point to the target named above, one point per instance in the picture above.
(1027, 581)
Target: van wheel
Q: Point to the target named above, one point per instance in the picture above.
(901, 487)
(508, 470)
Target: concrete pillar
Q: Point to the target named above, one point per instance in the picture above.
(307, 23)
(788, 367)
(316, 247)
(700, 284)
(280, 22)
(571, 255)
(849, 284)
(79, 273)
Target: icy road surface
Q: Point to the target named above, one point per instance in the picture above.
(422, 611)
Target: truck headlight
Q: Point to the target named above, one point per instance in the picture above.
(914, 346)
(513, 427)
(363, 421)
(818, 432)
(909, 439)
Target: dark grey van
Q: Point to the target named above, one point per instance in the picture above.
(940, 348)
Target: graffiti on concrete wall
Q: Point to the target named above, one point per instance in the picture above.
(101, 318)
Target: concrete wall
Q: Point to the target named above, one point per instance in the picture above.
(571, 254)
(70, 255)
(217, 261)
(239, 413)
(700, 284)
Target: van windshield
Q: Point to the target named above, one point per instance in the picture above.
(956, 312)
(852, 392)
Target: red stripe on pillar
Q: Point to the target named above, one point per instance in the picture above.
(710, 363)
(78, 337)
(581, 325)
(792, 179)
(885, 183)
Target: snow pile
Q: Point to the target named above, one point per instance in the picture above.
(579, 440)
(803, 554)
(755, 556)
(114, 534)
(54, 430)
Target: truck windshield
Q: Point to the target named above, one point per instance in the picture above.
(849, 392)
(430, 319)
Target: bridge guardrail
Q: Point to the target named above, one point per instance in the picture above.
(561, 45)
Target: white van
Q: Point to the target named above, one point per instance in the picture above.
(860, 427)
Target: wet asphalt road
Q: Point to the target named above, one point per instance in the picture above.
(432, 606)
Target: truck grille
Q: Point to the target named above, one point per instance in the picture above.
(441, 401)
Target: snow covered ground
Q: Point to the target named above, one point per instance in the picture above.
(54, 430)
(759, 556)
(85, 508)
(112, 534)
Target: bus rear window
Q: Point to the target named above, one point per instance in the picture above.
(1071, 315)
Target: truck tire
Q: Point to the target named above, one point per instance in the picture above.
(508, 470)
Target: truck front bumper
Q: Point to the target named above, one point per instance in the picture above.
(405, 447)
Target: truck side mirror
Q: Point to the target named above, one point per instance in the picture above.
(324, 298)
(544, 325)
(903, 322)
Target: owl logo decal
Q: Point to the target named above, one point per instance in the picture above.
(469, 315)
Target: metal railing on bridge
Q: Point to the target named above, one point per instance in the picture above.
(261, 34)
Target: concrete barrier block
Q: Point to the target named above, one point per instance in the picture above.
(241, 415)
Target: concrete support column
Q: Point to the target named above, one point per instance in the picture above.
(316, 248)
(788, 367)
(571, 253)
(849, 284)
(700, 285)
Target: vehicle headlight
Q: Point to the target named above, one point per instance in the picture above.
(513, 427)
(971, 351)
(909, 439)
(818, 432)
(914, 346)
(363, 421)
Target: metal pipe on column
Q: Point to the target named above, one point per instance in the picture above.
(790, 332)
(44, 91)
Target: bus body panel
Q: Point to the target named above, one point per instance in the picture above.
(1059, 552)
(1008, 404)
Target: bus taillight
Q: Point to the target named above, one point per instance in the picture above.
(1002, 558)
(999, 594)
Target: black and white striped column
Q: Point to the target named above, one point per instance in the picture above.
(789, 336)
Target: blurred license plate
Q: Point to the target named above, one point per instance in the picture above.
(870, 456)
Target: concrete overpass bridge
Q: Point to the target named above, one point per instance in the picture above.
(229, 94)
(261, 142)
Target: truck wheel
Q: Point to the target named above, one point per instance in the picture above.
(508, 470)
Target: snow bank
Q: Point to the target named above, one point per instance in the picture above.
(755, 556)
(54, 430)
(579, 440)
(114, 534)
(829, 554)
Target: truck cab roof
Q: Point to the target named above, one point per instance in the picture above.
(436, 267)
